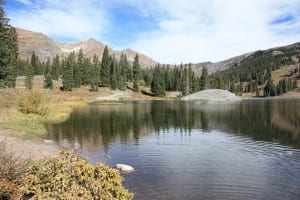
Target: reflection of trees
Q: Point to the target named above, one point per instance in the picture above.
(259, 121)
(268, 121)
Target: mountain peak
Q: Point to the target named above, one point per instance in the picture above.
(45, 48)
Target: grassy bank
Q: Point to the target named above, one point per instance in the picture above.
(24, 113)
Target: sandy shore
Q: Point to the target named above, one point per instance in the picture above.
(34, 149)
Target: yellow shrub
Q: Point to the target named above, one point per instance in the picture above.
(34, 101)
(69, 177)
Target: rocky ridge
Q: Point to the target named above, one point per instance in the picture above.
(45, 48)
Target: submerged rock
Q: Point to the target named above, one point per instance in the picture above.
(124, 168)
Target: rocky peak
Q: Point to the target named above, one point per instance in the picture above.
(45, 48)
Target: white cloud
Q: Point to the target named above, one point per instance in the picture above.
(187, 31)
(26, 2)
(194, 31)
(74, 20)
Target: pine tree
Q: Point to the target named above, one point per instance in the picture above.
(268, 89)
(232, 88)
(121, 84)
(136, 73)
(158, 83)
(29, 77)
(48, 81)
(8, 49)
(105, 68)
(295, 84)
(126, 71)
(185, 83)
(177, 81)
(204, 79)
(256, 88)
(47, 67)
(76, 71)
(35, 64)
(55, 68)
(67, 76)
(11, 74)
(113, 74)
(83, 68)
(94, 74)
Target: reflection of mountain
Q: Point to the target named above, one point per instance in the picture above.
(101, 125)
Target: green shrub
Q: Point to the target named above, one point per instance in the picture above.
(69, 177)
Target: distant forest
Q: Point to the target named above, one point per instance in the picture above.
(252, 74)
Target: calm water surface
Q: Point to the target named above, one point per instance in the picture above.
(245, 150)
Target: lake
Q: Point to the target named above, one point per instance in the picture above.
(193, 150)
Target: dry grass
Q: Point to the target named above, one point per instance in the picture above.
(282, 73)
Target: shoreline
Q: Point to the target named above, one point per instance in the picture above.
(36, 146)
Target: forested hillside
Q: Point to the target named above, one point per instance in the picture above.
(254, 73)
(248, 73)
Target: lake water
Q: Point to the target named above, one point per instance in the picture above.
(193, 150)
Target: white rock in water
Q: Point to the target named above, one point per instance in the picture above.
(124, 168)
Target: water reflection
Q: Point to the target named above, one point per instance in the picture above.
(100, 125)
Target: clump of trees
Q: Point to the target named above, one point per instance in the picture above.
(8, 50)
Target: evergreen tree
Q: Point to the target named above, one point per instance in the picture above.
(55, 68)
(168, 78)
(105, 68)
(136, 73)
(177, 81)
(8, 49)
(121, 84)
(67, 76)
(94, 74)
(256, 88)
(295, 84)
(11, 73)
(76, 71)
(35, 64)
(204, 79)
(232, 88)
(220, 84)
(185, 83)
(269, 89)
(126, 71)
(284, 86)
(148, 77)
(158, 83)
(47, 67)
(29, 77)
(83, 67)
(113, 74)
(48, 81)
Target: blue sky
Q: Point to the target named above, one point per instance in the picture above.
(169, 31)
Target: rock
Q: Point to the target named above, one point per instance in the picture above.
(212, 95)
(48, 141)
(124, 168)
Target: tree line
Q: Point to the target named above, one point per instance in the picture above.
(252, 74)
(76, 70)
